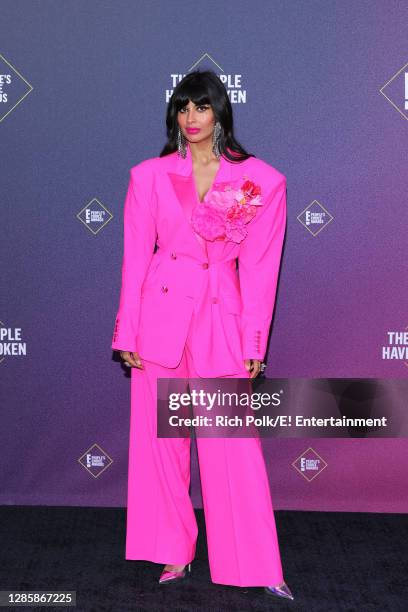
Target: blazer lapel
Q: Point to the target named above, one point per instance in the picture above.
(182, 180)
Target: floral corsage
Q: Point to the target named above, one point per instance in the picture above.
(223, 215)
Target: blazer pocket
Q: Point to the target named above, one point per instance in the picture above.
(232, 304)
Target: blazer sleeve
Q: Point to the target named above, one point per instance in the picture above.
(259, 261)
(139, 233)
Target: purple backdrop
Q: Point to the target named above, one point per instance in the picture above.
(318, 91)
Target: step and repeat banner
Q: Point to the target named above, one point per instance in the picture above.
(320, 91)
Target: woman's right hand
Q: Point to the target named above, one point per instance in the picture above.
(132, 359)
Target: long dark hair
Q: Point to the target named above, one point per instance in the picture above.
(204, 88)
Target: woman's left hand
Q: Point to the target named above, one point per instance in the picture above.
(253, 366)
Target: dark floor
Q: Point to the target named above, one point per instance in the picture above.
(332, 562)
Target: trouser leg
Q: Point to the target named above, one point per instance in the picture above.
(243, 548)
(161, 524)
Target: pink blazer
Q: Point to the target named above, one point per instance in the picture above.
(160, 291)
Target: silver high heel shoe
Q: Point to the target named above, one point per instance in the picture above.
(173, 576)
(279, 591)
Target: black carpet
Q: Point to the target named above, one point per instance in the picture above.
(332, 562)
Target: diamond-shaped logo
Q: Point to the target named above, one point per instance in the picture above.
(310, 464)
(315, 217)
(94, 216)
(95, 460)
(13, 88)
(395, 90)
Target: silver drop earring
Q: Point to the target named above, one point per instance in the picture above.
(216, 140)
(181, 144)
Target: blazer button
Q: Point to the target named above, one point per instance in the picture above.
(164, 289)
(173, 256)
(215, 300)
(205, 266)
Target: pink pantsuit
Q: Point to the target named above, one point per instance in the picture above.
(189, 313)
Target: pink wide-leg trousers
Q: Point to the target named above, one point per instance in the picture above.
(242, 542)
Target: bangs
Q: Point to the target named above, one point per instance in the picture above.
(192, 90)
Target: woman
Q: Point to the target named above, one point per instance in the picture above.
(186, 312)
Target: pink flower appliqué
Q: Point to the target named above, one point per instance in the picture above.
(223, 215)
